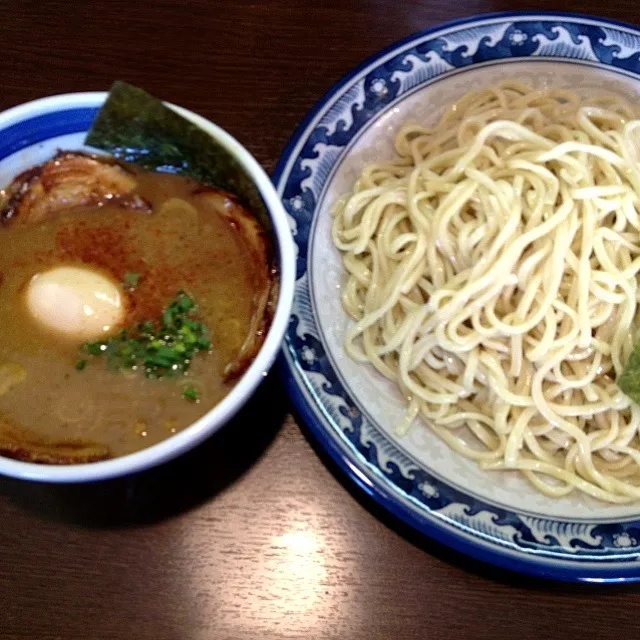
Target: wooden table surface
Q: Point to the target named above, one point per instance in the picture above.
(254, 534)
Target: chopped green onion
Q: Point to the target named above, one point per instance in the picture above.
(131, 280)
(190, 393)
(160, 349)
(93, 348)
(81, 364)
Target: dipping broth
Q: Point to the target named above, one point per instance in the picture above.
(183, 241)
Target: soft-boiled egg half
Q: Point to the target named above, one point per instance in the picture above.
(75, 301)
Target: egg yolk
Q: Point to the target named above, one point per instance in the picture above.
(75, 301)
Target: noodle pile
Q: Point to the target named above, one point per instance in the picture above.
(493, 270)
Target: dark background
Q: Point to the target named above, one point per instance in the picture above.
(252, 535)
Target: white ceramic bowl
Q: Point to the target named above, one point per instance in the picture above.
(30, 134)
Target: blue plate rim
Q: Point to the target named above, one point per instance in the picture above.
(398, 44)
(512, 560)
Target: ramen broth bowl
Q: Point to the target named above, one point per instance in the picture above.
(32, 133)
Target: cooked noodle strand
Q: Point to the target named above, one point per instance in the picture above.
(493, 270)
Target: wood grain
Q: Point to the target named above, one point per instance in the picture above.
(252, 535)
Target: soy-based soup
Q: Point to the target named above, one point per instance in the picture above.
(63, 404)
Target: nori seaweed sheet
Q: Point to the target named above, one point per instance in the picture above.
(135, 127)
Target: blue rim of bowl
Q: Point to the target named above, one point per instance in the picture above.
(361, 471)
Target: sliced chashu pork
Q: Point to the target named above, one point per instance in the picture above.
(265, 297)
(70, 179)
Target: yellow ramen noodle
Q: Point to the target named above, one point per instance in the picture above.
(493, 276)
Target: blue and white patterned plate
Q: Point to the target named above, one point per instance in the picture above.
(350, 408)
